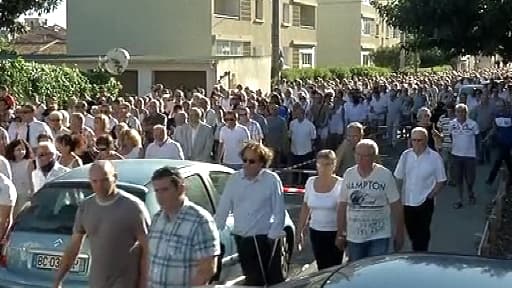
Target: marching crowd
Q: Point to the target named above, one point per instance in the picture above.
(448, 119)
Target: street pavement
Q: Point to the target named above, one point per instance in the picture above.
(453, 231)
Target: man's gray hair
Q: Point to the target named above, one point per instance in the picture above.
(356, 125)
(461, 106)
(371, 144)
(420, 130)
(423, 110)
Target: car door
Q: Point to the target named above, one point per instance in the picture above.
(218, 180)
(197, 192)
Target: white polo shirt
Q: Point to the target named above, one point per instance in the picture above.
(463, 137)
(233, 141)
(7, 192)
(420, 174)
(301, 135)
(169, 149)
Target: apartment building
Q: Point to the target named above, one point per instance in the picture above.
(348, 31)
(214, 40)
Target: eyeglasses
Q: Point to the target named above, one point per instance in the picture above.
(242, 114)
(417, 140)
(229, 119)
(250, 161)
(54, 120)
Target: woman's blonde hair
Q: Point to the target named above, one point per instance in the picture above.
(131, 136)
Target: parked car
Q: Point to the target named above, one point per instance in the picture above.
(42, 230)
(413, 270)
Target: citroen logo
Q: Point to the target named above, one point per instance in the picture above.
(57, 242)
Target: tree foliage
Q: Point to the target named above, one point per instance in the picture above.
(26, 79)
(339, 72)
(457, 27)
(390, 57)
(12, 10)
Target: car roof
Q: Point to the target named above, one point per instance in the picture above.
(139, 171)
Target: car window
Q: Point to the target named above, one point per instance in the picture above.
(219, 180)
(197, 192)
(53, 209)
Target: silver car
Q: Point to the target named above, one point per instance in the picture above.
(42, 230)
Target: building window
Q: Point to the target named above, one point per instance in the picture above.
(258, 7)
(366, 26)
(230, 8)
(388, 31)
(286, 13)
(229, 48)
(307, 58)
(365, 58)
(377, 29)
(307, 16)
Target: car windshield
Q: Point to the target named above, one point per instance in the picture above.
(53, 209)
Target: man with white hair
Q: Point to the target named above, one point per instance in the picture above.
(421, 176)
(369, 199)
(48, 167)
(464, 133)
(55, 121)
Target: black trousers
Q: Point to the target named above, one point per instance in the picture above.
(324, 248)
(250, 263)
(417, 222)
(503, 155)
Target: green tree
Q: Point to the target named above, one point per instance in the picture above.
(456, 27)
(11, 10)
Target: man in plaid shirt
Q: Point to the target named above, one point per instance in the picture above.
(184, 241)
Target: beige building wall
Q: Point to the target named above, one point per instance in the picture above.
(248, 71)
(339, 33)
(348, 31)
(175, 28)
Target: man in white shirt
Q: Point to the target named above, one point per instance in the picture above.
(232, 138)
(302, 135)
(7, 201)
(421, 176)
(464, 133)
(163, 147)
(48, 167)
(33, 128)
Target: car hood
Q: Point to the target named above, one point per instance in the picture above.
(415, 270)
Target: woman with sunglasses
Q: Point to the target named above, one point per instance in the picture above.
(319, 212)
(106, 149)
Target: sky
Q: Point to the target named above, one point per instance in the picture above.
(56, 17)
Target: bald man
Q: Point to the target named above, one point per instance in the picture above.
(116, 224)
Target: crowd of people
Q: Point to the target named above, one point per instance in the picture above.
(447, 119)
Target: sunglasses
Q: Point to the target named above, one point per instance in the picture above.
(43, 155)
(229, 119)
(102, 148)
(250, 161)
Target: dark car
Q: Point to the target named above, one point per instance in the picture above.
(413, 271)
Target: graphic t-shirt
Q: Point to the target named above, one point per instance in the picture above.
(368, 199)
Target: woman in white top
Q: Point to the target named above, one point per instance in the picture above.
(319, 209)
(130, 144)
(67, 145)
(21, 159)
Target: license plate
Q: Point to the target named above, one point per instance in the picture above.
(52, 262)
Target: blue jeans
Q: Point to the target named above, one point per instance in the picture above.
(370, 248)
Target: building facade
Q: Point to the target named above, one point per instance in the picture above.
(348, 31)
(182, 31)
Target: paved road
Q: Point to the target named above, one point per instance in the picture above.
(453, 231)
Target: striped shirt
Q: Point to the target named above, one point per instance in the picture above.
(177, 244)
(444, 125)
(254, 130)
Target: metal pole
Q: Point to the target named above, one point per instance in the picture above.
(276, 38)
